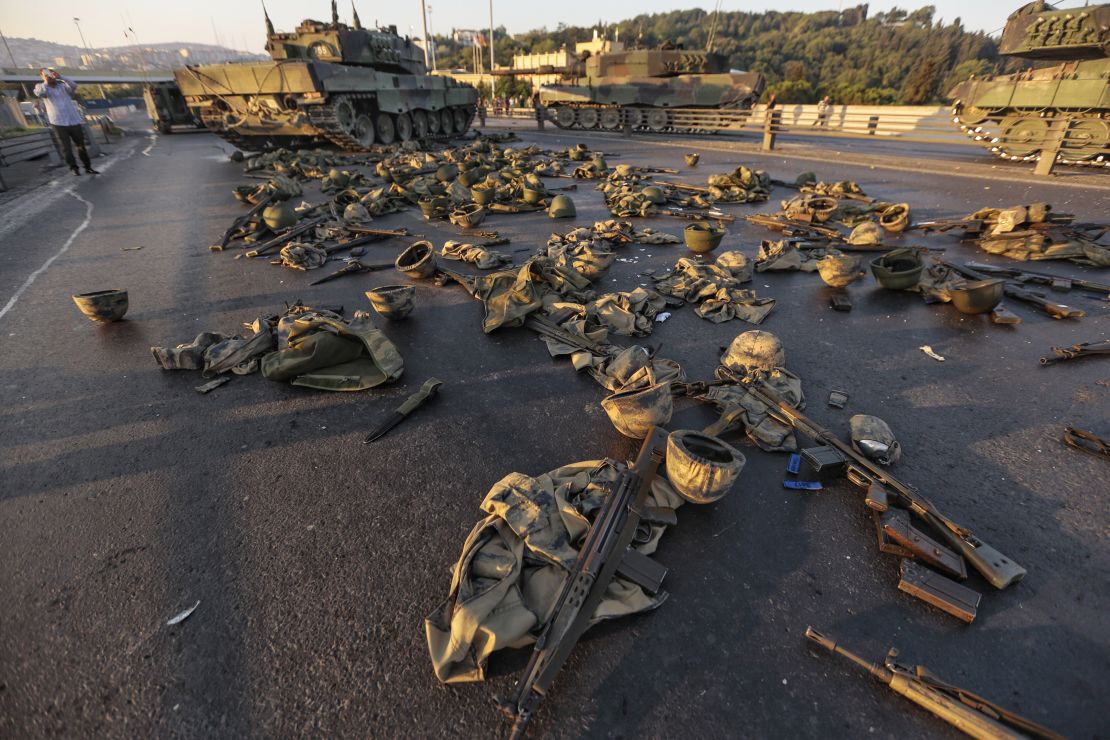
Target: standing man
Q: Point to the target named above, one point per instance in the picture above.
(64, 117)
(824, 107)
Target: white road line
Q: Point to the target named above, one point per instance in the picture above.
(22, 209)
(153, 141)
(34, 275)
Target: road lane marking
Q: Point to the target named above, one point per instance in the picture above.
(34, 275)
(153, 141)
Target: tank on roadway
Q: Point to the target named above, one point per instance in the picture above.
(166, 107)
(666, 89)
(1010, 113)
(328, 81)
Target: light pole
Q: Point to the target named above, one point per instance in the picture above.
(84, 44)
(424, 16)
(432, 41)
(491, 36)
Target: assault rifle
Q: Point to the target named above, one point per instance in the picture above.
(1056, 282)
(971, 713)
(883, 489)
(604, 555)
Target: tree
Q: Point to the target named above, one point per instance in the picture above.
(921, 84)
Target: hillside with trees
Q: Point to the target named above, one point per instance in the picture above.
(897, 57)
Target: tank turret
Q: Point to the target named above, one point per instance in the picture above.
(665, 89)
(1010, 114)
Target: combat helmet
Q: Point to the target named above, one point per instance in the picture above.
(754, 350)
(561, 207)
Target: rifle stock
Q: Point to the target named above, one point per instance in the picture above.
(999, 570)
(968, 712)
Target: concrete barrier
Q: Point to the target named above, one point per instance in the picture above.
(27, 146)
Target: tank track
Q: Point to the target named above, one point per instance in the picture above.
(996, 142)
(680, 120)
(324, 118)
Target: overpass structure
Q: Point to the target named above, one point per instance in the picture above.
(89, 76)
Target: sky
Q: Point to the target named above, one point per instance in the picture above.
(238, 23)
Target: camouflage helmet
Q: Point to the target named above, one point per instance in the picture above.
(738, 264)
(754, 350)
(701, 468)
(655, 194)
(839, 270)
(867, 233)
(561, 207)
(634, 412)
(447, 172)
(895, 217)
(279, 215)
(872, 438)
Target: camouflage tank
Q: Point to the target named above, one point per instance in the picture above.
(1010, 113)
(667, 89)
(166, 107)
(329, 81)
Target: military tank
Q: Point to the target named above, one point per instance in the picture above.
(1010, 114)
(166, 107)
(666, 89)
(345, 84)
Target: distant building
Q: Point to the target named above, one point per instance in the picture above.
(560, 60)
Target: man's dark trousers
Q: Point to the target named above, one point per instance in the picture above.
(75, 135)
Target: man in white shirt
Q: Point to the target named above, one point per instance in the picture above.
(64, 117)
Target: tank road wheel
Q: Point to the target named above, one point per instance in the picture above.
(587, 118)
(446, 122)
(1023, 137)
(433, 123)
(657, 119)
(420, 124)
(404, 127)
(972, 115)
(1087, 138)
(565, 117)
(461, 120)
(610, 118)
(387, 132)
(634, 116)
(345, 115)
(364, 130)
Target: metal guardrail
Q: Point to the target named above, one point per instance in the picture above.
(1074, 140)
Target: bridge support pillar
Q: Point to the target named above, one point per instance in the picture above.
(770, 127)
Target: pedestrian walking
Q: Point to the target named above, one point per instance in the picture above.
(64, 117)
(824, 107)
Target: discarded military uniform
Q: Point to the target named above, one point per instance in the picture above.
(481, 257)
(319, 349)
(630, 314)
(303, 256)
(510, 295)
(715, 290)
(872, 438)
(515, 561)
(1031, 233)
(786, 255)
(742, 185)
(755, 355)
(214, 353)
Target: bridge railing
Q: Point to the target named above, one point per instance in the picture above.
(1077, 139)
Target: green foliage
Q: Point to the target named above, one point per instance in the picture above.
(512, 87)
(893, 57)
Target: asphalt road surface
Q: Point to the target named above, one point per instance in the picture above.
(127, 497)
